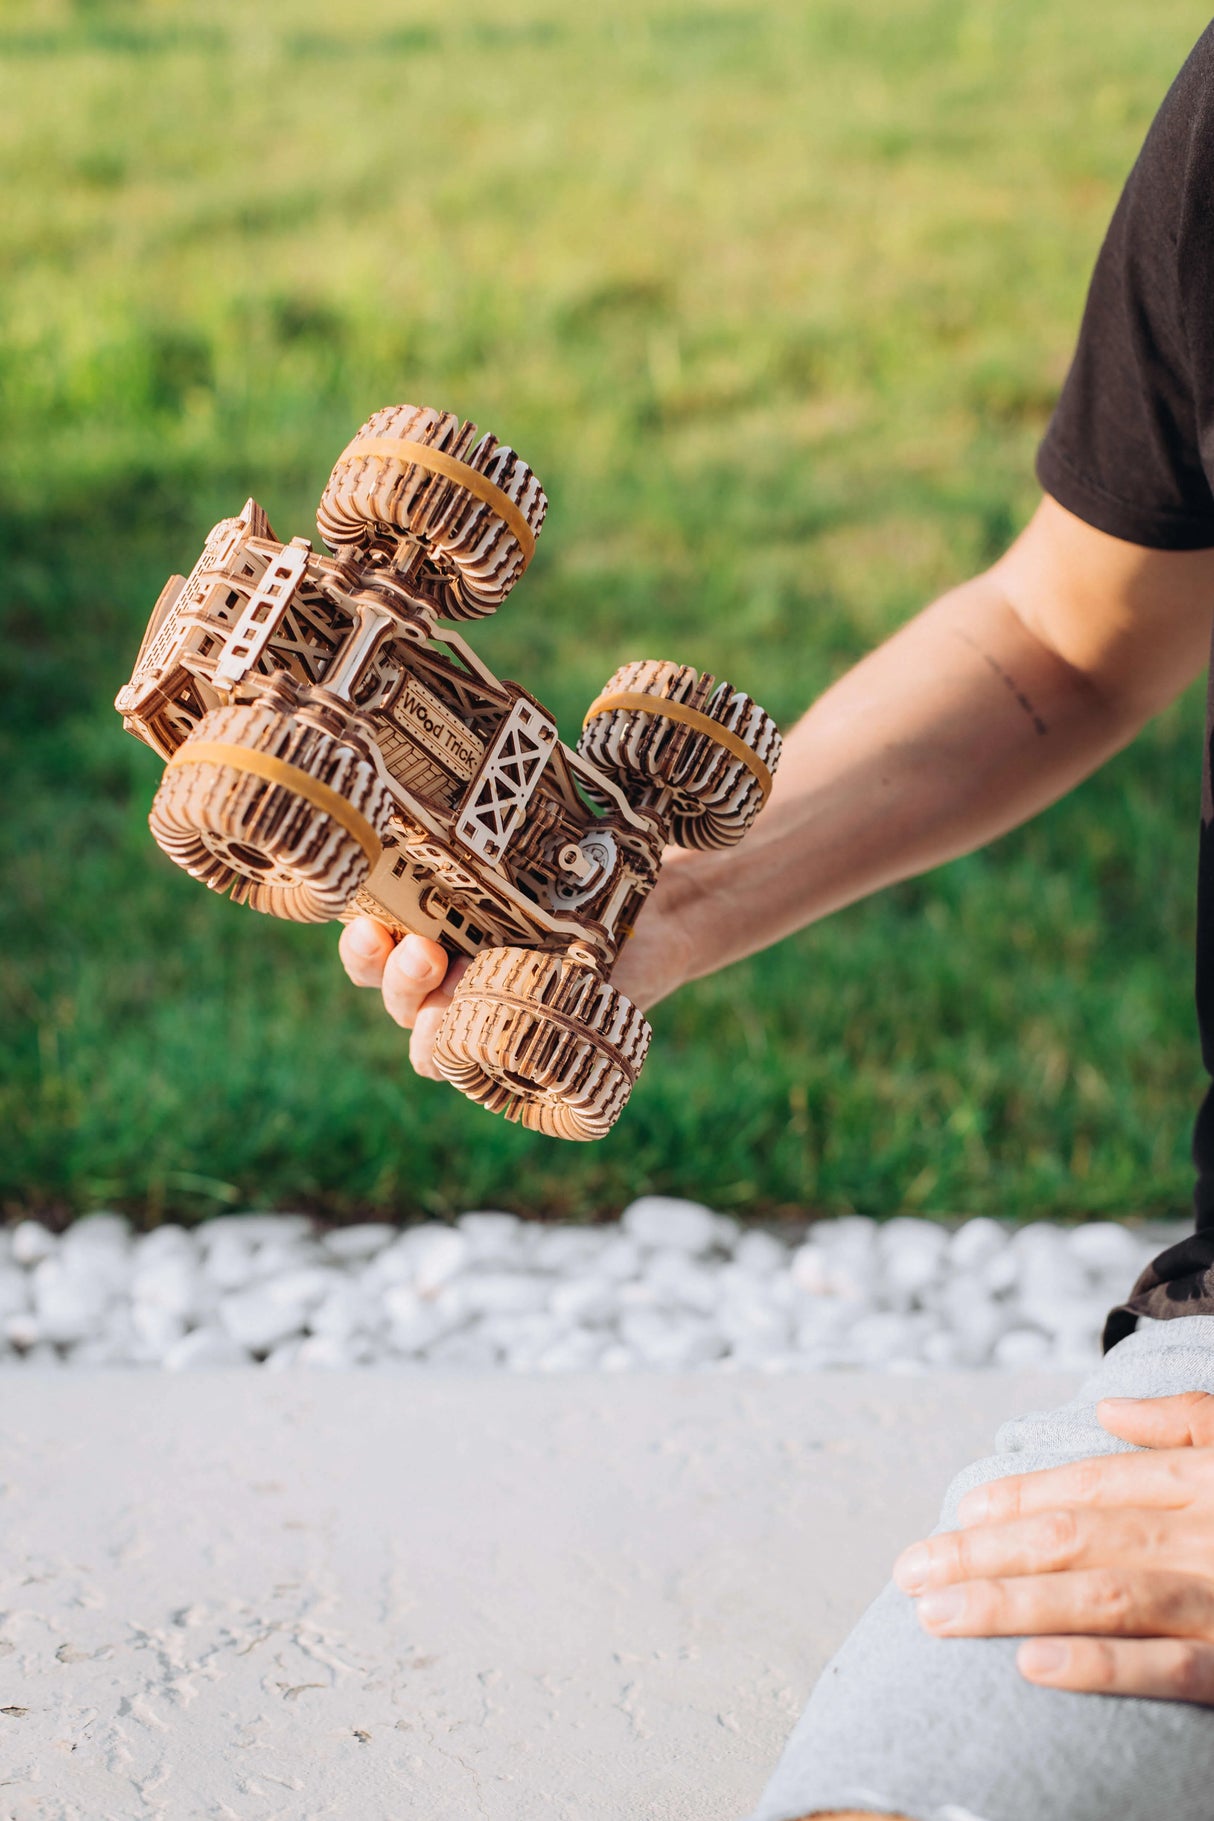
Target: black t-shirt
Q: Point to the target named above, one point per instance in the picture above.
(1130, 450)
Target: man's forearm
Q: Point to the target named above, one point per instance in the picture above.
(962, 725)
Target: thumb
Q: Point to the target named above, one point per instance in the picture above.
(1183, 1421)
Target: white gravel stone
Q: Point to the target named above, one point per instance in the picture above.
(257, 1320)
(256, 1229)
(618, 1358)
(975, 1319)
(41, 1355)
(284, 1356)
(426, 1257)
(204, 1348)
(810, 1270)
(325, 1350)
(302, 1286)
(569, 1249)
(751, 1320)
(575, 1353)
(672, 1285)
(1102, 1247)
(69, 1303)
(659, 1220)
(156, 1329)
(886, 1335)
(975, 1242)
(999, 1272)
(619, 1260)
(165, 1242)
(347, 1309)
(106, 1231)
(23, 1331)
(670, 1341)
(492, 1237)
(729, 1231)
(940, 1348)
(32, 1242)
(465, 1352)
(14, 1292)
(228, 1261)
(171, 1281)
(504, 1293)
(415, 1325)
(760, 1254)
(684, 1282)
(591, 1300)
(911, 1252)
(1021, 1347)
(364, 1241)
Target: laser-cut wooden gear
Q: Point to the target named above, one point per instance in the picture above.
(331, 752)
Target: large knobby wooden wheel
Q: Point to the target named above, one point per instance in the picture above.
(544, 1040)
(709, 750)
(472, 503)
(281, 814)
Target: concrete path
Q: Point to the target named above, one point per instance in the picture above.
(368, 1597)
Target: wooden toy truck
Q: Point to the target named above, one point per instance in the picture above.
(330, 752)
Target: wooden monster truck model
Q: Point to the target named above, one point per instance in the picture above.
(329, 751)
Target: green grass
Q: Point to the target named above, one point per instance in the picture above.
(776, 300)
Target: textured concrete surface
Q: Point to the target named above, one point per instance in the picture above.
(370, 1597)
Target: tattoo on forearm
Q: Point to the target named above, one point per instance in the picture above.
(1009, 683)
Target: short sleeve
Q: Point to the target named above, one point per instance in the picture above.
(1130, 447)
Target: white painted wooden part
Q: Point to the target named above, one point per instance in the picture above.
(499, 794)
(263, 615)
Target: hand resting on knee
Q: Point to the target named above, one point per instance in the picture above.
(1107, 1564)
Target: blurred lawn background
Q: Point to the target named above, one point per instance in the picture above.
(776, 299)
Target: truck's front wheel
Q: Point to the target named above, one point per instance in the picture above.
(283, 815)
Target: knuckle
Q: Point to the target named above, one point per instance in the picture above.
(993, 1607)
(1098, 1664)
(1110, 1595)
(1191, 1678)
(1058, 1534)
(1152, 1537)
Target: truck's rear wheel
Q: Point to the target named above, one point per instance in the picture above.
(473, 504)
(281, 814)
(544, 1040)
(707, 750)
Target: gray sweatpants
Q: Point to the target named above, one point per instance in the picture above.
(946, 1729)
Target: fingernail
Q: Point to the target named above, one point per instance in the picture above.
(415, 964)
(1118, 1403)
(910, 1570)
(1044, 1656)
(943, 1608)
(974, 1506)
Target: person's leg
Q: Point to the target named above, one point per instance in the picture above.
(906, 1727)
